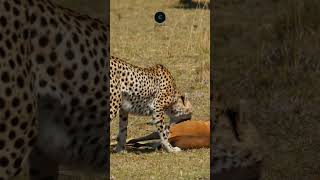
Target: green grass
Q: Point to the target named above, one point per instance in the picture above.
(182, 45)
(268, 52)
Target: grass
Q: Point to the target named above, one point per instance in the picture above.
(161, 165)
(182, 45)
(267, 52)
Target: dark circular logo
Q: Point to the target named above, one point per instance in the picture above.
(159, 17)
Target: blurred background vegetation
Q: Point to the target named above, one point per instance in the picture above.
(268, 52)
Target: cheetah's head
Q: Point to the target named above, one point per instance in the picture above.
(180, 110)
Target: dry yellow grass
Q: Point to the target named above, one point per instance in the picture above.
(183, 45)
(268, 52)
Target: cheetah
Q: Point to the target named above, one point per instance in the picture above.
(46, 49)
(145, 91)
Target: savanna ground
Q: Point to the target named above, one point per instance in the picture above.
(183, 46)
(268, 53)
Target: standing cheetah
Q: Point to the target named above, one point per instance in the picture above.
(49, 50)
(145, 91)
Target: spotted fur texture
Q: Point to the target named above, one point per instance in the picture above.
(47, 49)
(145, 91)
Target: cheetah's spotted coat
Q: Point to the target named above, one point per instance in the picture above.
(145, 91)
(49, 50)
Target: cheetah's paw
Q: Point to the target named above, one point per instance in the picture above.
(173, 149)
(176, 149)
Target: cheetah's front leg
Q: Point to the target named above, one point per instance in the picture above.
(158, 118)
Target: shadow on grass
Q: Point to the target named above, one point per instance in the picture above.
(189, 4)
(138, 148)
